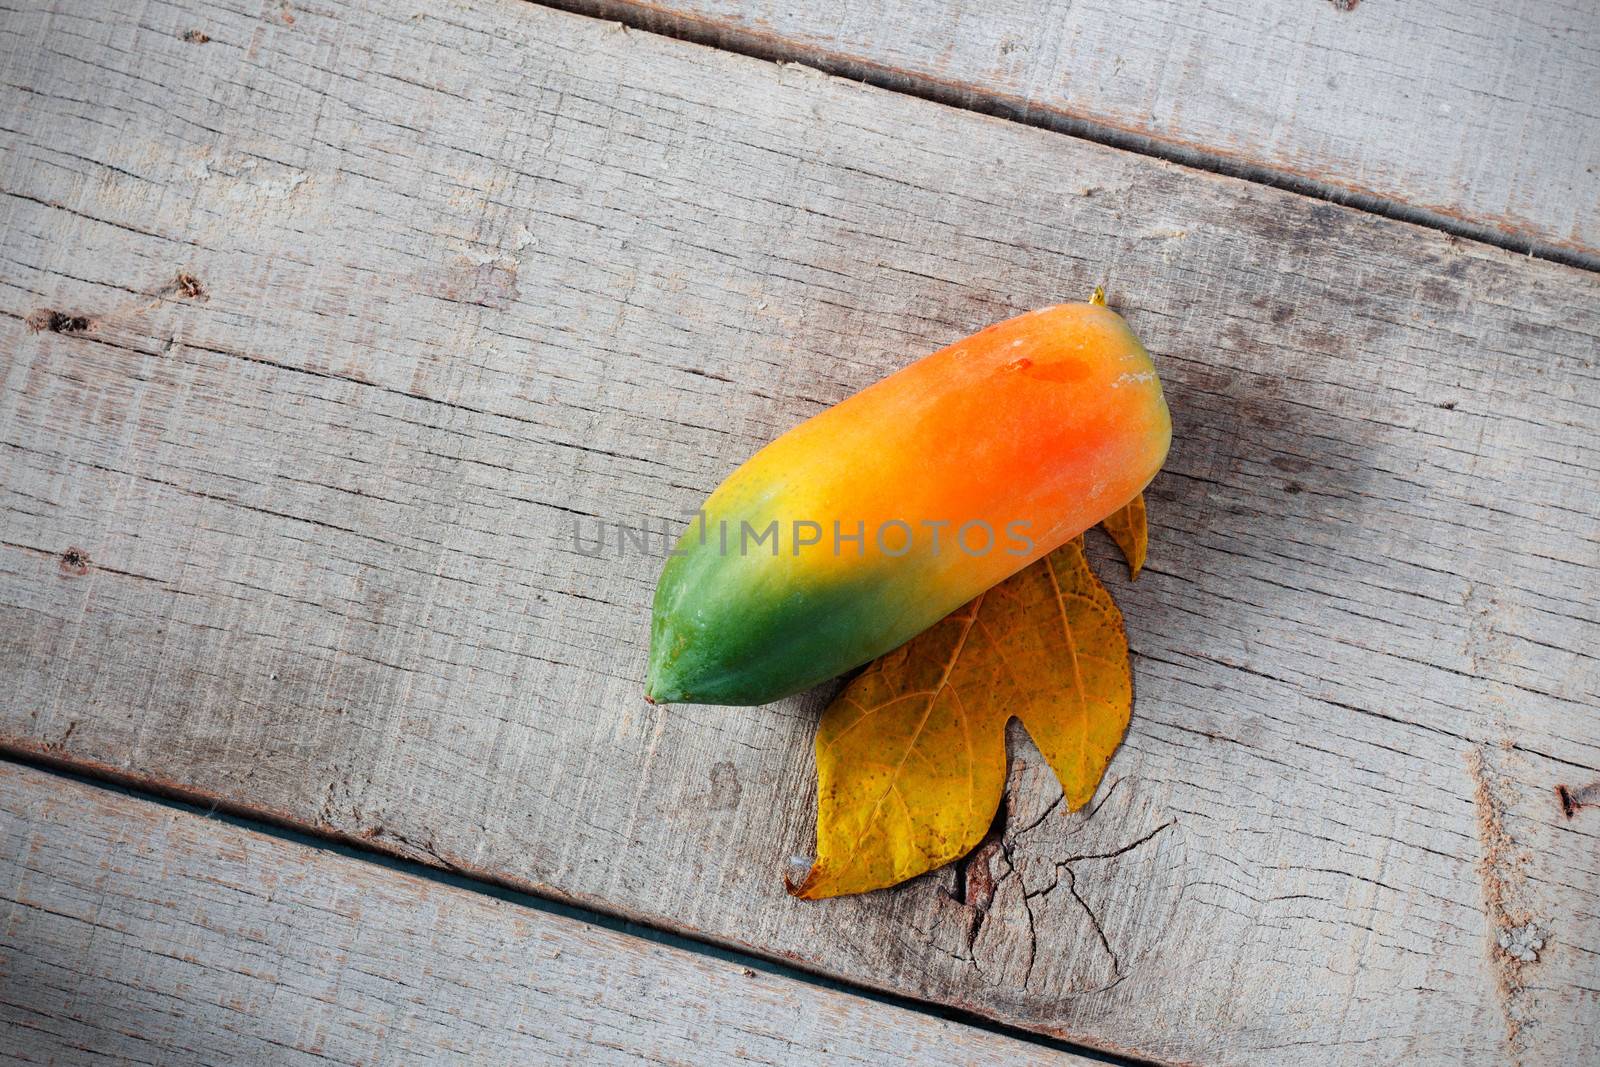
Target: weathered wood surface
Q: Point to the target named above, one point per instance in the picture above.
(137, 933)
(1476, 115)
(298, 536)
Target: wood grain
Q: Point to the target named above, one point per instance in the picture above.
(137, 933)
(299, 537)
(1480, 117)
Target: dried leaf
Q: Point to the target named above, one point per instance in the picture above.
(911, 758)
(1127, 529)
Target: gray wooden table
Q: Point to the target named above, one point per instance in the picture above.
(322, 327)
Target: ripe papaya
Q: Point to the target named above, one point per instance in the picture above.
(868, 523)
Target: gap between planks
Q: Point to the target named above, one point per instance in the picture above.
(700, 30)
(271, 824)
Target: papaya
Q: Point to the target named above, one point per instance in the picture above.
(868, 523)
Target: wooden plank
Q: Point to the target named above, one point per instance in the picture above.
(144, 934)
(1483, 118)
(298, 536)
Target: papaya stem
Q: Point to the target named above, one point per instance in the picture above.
(1098, 297)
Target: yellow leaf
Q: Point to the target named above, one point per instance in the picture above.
(911, 757)
(1127, 528)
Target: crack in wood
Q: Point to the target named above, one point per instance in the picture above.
(1063, 864)
(1094, 920)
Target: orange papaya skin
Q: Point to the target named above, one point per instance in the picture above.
(1033, 430)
